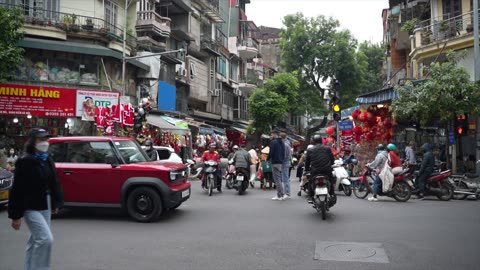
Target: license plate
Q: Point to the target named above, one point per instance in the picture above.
(3, 195)
(321, 191)
(185, 193)
(240, 178)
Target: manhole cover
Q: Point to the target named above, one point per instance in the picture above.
(350, 251)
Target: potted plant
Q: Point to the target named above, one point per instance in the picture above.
(73, 26)
(410, 25)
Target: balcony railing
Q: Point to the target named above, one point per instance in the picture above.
(445, 29)
(72, 23)
(162, 24)
(209, 45)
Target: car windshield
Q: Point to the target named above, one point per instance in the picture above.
(131, 152)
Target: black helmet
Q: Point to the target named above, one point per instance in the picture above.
(317, 138)
(148, 143)
(381, 147)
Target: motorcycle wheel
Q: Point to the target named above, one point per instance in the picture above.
(347, 190)
(210, 185)
(401, 192)
(323, 210)
(460, 185)
(360, 190)
(228, 182)
(447, 191)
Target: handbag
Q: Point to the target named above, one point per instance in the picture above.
(386, 175)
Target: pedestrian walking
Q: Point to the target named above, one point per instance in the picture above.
(35, 194)
(410, 154)
(287, 164)
(277, 157)
(253, 167)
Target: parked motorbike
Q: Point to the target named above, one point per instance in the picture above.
(400, 190)
(341, 175)
(230, 175)
(191, 171)
(240, 182)
(210, 176)
(466, 185)
(322, 201)
(441, 185)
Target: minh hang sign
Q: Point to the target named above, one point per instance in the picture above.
(88, 100)
(39, 101)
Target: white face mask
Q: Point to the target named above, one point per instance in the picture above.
(12, 152)
(42, 146)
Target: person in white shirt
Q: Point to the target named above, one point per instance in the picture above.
(253, 167)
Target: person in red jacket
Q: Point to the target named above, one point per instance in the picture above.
(393, 159)
(208, 155)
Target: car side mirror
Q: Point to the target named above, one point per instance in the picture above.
(112, 160)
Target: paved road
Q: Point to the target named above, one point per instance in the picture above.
(228, 231)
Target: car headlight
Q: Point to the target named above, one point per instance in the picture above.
(177, 175)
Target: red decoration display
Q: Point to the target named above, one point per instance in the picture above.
(330, 131)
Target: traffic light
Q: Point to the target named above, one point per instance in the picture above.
(461, 124)
(336, 108)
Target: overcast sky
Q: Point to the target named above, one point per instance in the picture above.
(362, 17)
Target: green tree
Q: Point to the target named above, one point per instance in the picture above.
(11, 56)
(370, 58)
(266, 108)
(446, 94)
(287, 86)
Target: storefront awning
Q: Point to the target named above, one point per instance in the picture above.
(179, 123)
(381, 96)
(74, 47)
(347, 112)
(242, 130)
(158, 121)
(219, 131)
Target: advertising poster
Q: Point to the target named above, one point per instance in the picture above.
(38, 101)
(88, 100)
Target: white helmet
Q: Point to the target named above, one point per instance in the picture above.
(310, 146)
(235, 147)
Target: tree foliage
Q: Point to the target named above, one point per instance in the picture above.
(286, 85)
(370, 59)
(11, 56)
(318, 51)
(446, 94)
(267, 108)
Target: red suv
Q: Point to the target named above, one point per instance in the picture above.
(116, 172)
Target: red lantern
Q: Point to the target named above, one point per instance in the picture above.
(355, 114)
(358, 130)
(370, 136)
(362, 117)
(330, 131)
(357, 138)
(370, 117)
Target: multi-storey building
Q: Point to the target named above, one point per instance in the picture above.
(71, 48)
(440, 26)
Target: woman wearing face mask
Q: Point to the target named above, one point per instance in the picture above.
(35, 194)
(11, 159)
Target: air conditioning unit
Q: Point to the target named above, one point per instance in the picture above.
(182, 72)
(216, 93)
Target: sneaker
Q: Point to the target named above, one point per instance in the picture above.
(372, 199)
(286, 196)
(251, 184)
(219, 190)
(276, 198)
(420, 197)
(299, 193)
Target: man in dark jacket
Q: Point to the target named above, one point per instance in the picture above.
(242, 161)
(319, 160)
(277, 157)
(426, 169)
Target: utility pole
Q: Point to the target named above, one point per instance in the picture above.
(124, 61)
(476, 51)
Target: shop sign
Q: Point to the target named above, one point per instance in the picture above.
(88, 100)
(39, 101)
(345, 125)
(451, 137)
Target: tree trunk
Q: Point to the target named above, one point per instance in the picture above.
(312, 130)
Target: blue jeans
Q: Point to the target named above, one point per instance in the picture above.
(286, 177)
(39, 245)
(376, 184)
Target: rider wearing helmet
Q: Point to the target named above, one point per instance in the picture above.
(377, 165)
(393, 159)
(152, 154)
(319, 161)
(301, 164)
(213, 155)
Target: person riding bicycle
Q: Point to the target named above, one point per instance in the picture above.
(319, 161)
(377, 165)
(212, 155)
(242, 161)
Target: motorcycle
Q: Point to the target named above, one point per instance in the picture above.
(210, 176)
(341, 174)
(191, 171)
(240, 182)
(322, 201)
(466, 185)
(400, 191)
(441, 185)
(230, 175)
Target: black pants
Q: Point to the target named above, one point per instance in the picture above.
(420, 181)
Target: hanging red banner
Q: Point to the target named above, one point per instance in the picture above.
(41, 101)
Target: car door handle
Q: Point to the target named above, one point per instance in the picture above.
(67, 172)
